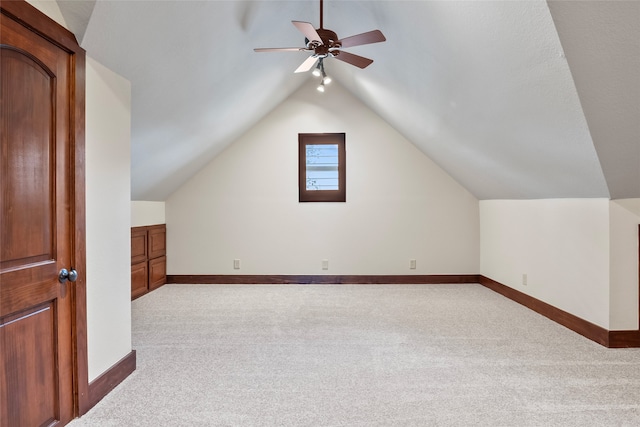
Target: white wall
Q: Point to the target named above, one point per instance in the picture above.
(625, 217)
(561, 244)
(108, 183)
(244, 204)
(108, 112)
(147, 213)
(108, 172)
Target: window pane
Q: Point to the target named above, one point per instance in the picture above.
(322, 167)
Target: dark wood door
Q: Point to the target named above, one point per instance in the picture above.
(37, 238)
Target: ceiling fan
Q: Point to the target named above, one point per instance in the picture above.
(324, 43)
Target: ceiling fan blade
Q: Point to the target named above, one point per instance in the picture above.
(279, 49)
(309, 32)
(374, 36)
(307, 64)
(350, 58)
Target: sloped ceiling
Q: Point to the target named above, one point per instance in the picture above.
(523, 99)
(602, 43)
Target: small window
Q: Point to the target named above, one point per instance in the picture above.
(322, 167)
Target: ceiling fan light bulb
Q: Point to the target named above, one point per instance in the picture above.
(321, 87)
(317, 71)
(326, 80)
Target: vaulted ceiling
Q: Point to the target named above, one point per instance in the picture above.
(514, 99)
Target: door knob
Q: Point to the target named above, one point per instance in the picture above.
(65, 275)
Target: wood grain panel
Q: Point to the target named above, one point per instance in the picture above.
(157, 272)
(157, 241)
(79, 330)
(139, 248)
(27, 169)
(28, 381)
(139, 279)
(15, 294)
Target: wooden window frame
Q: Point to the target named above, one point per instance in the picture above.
(305, 195)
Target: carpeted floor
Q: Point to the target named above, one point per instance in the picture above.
(341, 355)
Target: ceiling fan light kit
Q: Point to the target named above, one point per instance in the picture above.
(318, 72)
(323, 43)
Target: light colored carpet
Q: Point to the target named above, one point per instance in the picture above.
(342, 355)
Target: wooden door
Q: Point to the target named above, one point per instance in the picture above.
(37, 220)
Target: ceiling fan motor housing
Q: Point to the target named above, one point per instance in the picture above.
(329, 41)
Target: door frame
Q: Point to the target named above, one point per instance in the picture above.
(39, 23)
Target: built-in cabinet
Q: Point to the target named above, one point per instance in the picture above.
(148, 259)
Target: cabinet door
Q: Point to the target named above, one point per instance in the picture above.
(157, 272)
(139, 277)
(139, 248)
(157, 241)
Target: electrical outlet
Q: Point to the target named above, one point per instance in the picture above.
(524, 280)
(236, 264)
(325, 264)
(412, 264)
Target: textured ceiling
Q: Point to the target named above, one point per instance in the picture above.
(519, 99)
